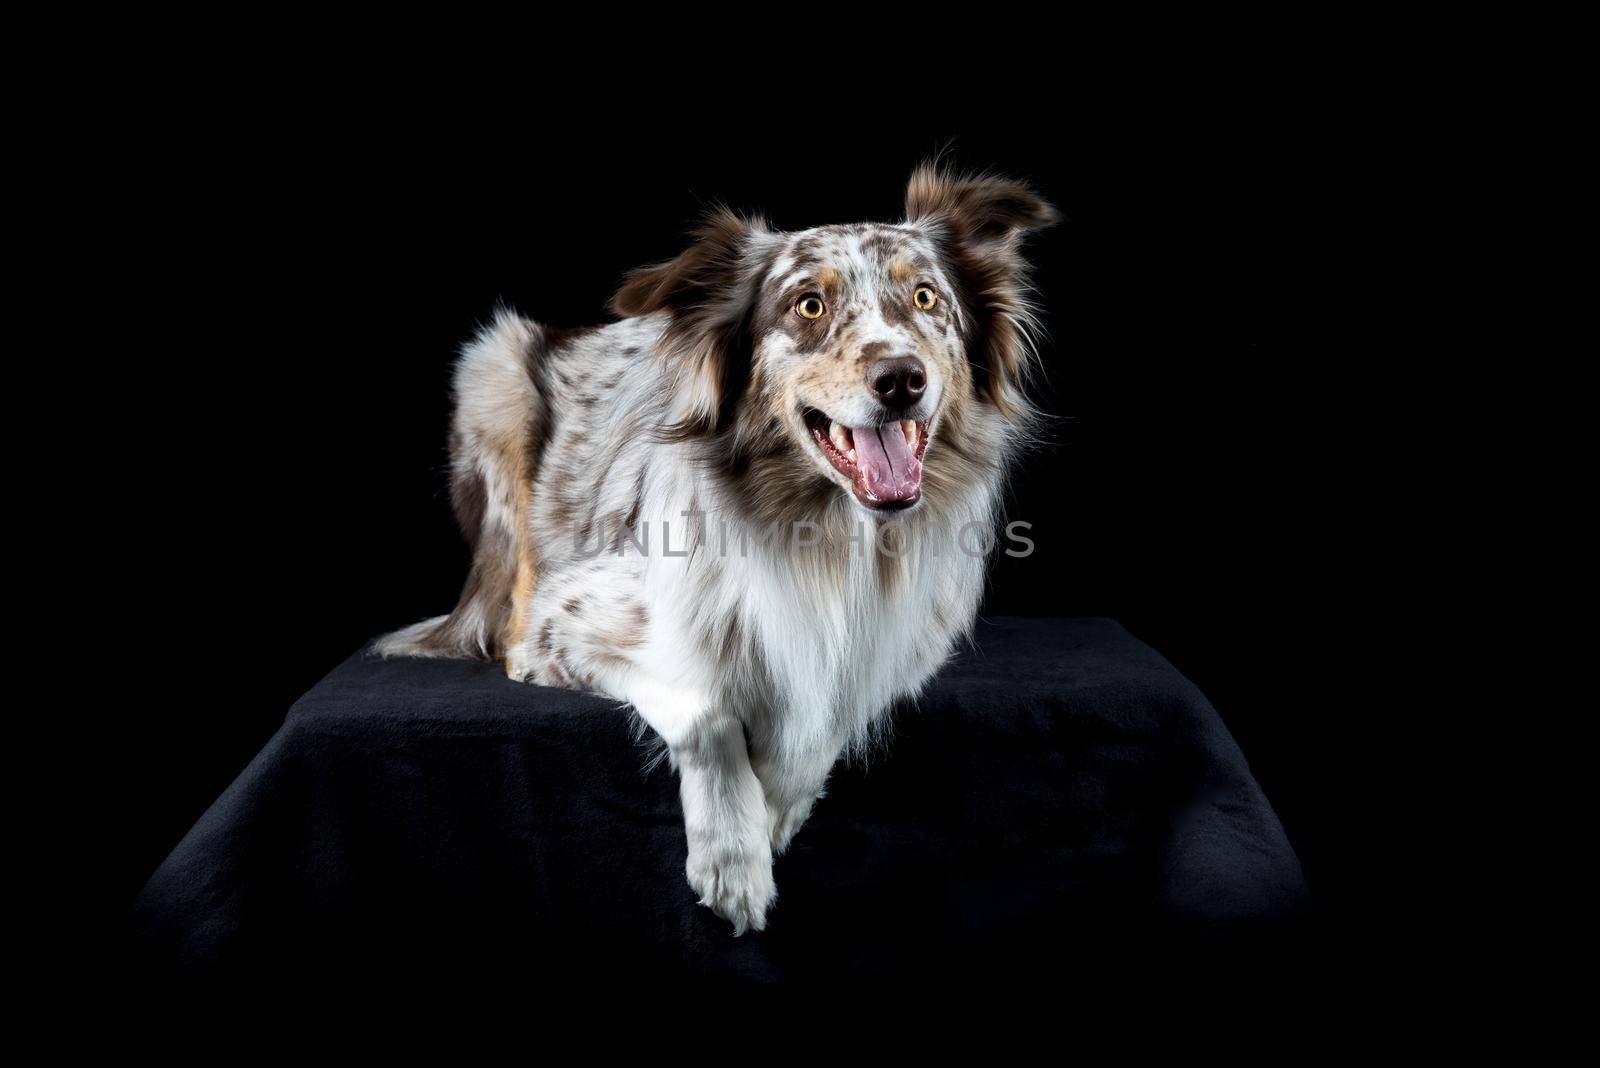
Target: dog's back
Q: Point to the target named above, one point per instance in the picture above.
(526, 396)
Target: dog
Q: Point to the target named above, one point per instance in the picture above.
(752, 508)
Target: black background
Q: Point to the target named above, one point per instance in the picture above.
(291, 276)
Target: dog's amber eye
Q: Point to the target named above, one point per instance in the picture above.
(810, 307)
(924, 298)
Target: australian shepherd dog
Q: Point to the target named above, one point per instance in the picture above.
(756, 508)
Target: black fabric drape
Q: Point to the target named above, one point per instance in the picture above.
(1059, 790)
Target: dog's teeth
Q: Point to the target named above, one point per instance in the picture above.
(839, 436)
(908, 427)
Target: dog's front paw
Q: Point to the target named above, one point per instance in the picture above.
(734, 880)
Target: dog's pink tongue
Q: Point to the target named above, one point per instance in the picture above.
(888, 470)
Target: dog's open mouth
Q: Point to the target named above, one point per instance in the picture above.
(883, 463)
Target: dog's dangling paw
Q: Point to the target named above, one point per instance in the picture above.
(736, 885)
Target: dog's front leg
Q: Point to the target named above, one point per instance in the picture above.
(725, 818)
(724, 814)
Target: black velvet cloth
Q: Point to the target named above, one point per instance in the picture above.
(1060, 789)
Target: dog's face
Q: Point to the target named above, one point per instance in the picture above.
(845, 352)
(856, 343)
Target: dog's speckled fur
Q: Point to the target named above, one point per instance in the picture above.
(652, 517)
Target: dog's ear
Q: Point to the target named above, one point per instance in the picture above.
(979, 223)
(709, 290)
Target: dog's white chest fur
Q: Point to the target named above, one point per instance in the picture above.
(824, 636)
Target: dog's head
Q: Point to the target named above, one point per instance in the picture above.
(853, 354)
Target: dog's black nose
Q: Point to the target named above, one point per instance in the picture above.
(897, 382)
